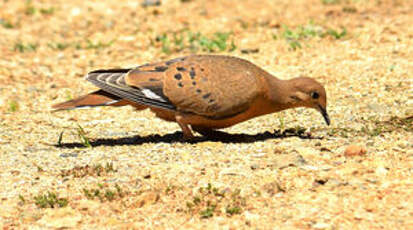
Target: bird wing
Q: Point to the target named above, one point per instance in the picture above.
(216, 87)
(146, 87)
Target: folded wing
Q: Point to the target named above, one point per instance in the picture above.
(147, 89)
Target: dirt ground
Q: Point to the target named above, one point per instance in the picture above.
(116, 168)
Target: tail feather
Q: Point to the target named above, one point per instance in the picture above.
(97, 98)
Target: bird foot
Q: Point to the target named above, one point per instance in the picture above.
(187, 136)
(210, 133)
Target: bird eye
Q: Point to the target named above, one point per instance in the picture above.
(315, 95)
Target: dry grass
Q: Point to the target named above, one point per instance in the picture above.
(293, 176)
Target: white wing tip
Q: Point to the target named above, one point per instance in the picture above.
(149, 94)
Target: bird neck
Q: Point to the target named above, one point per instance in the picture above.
(279, 93)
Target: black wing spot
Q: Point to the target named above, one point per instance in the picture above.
(192, 73)
(211, 100)
(178, 76)
(193, 83)
(180, 84)
(206, 95)
(198, 91)
(202, 69)
(180, 68)
(161, 68)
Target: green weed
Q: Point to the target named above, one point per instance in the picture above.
(6, 24)
(166, 44)
(98, 45)
(69, 95)
(374, 127)
(13, 106)
(295, 37)
(335, 34)
(281, 120)
(209, 201)
(30, 10)
(179, 41)
(22, 199)
(59, 141)
(330, 2)
(50, 200)
(349, 9)
(216, 43)
(94, 170)
(208, 212)
(233, 210)
(21, 47)
(99, 169)
(82, 135)
(104, 194)
(47, 11)
(58, 45)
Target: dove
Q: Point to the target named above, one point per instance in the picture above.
(201, 93)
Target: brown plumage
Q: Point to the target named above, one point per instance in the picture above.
(205, 92)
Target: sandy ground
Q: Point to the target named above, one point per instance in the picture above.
(127, 169)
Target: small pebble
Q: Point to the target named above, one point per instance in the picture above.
(148, 176)
(354, 150)
(254, 166)
(65, 155)
(146, 3)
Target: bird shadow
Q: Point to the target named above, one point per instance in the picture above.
(176, 137)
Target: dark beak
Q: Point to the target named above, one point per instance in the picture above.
(323, 112)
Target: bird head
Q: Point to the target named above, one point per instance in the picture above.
(309, 93)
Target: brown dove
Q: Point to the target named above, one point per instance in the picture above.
(201, 92)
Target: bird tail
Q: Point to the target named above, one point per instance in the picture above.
(97, 98)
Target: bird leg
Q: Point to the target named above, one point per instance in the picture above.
(188, 135)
